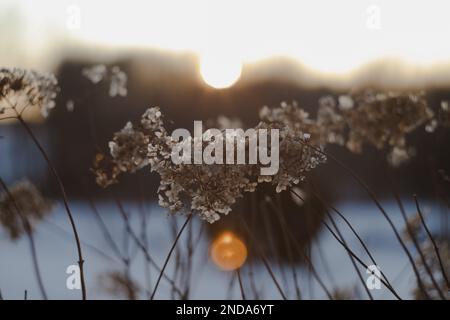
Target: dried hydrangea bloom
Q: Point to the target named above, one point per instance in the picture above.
(384, 119)
(32, 205)
(95, 74)
(133, 148)
(400, 155)
(21, 89)
(117, 78)
(210, 190)
(118, 85)
(297, 156)
(346, 102)
(328, 127)
(129, 148)
(330, 124)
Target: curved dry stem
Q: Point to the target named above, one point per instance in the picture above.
(169, 254)
(65, 201)
(430, 236)
(241, 287)
(379, 206)
(366, 249)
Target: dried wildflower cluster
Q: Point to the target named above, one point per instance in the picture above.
(20, 89)
(382, 119)
(378, 119)
(116, 77)
(210, 190)
(367, 118)
(32, 206)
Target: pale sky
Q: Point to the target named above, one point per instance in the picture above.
(327, 36)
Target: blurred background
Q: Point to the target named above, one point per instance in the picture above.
(198, 60)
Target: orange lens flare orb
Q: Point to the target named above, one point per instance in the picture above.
(228, 252)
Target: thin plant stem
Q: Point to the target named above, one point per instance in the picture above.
(65, 201)
(241, 287)
(284, 226)
(353, 254)
(356, 257)
(169, 254)
(143, 248)
(371, 195)
(430, 236)
(265, 262)
(347, 222)
(333, 222)
(418, 249)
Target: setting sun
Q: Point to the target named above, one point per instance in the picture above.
(220, 73)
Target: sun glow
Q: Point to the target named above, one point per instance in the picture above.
(219, 72)
(324, 36)
(228, 252)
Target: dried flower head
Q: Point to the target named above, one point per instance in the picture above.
(118, 85)
(20, 89)
(95, 73)
(210, 190)
(381, 119)
(117, 78)
(400, 155)
(32, 206)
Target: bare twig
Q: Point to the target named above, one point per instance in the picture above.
(65, 201)
(371, 195)
(419, 250)
(170, 253)
(347, 222)
(141, 246)
(238, 273)
(264, 260)
(430, 236)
